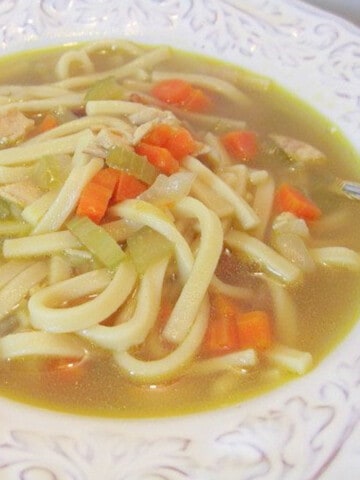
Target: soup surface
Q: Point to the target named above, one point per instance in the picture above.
(175, 232)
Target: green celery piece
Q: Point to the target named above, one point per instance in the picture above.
(4, 210)
(130, 162)
(106, 89)
(97, 241)
(48, 173)
(146, 247)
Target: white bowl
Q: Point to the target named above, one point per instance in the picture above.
(307, 429)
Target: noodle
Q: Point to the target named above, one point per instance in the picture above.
(40, 343)
(39, 245)
(147, 60)
(96, 123)
(134, 331)
(42, 104)
(243, 211)
(152, 370)
(45, 316)
(184, 312)
(271, 260)
(28, 153)
(19, 287)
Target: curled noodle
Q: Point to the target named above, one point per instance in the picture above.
(45, 316)
(152, 370)
(134, 331)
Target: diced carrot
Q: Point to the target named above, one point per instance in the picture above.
(197, 101)
(159, 135)
(221, 336)
(182, 94)
(158, 156)
(289, 199)
(173, 91)
(254, 330)
(230, 329)
(66, 370)
(177, 140)
(94, 201)
(127, 186)
(108, 186)
(96, 195)
(107, 177)
(223, 306)
(181, 144)
(240, 144)
(48, 123)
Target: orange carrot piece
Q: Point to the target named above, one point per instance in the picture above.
(107, 177)
(159, 135)
(221, 336)
(289, 199)
(66, 370)
(254, 330)
(223, 306)
(173, 91)
(93, 202)
(240, 144)
(95, 197)
(177, 140)
(182, 94)
(127, 186)
(48, 122)
(197, 101)
(158, 156)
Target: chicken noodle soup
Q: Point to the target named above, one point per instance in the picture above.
(175, 233)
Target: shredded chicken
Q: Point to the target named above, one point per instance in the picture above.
(298, 151)
(104, 140)
(13, 126)
(21, 193)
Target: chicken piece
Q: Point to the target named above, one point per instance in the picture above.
(14, 125)
(104, 141)
(20, 193)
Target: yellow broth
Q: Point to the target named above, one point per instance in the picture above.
(327, 301)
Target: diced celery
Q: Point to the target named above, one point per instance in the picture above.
(146, 247)
(129, 161)
(48, 173)
(97, 241)
(106, 89)
(4, 210)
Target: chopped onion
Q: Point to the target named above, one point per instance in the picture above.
(169, 189)
(293, 248)
(287, 222)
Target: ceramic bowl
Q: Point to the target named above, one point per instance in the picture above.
(306, 430)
